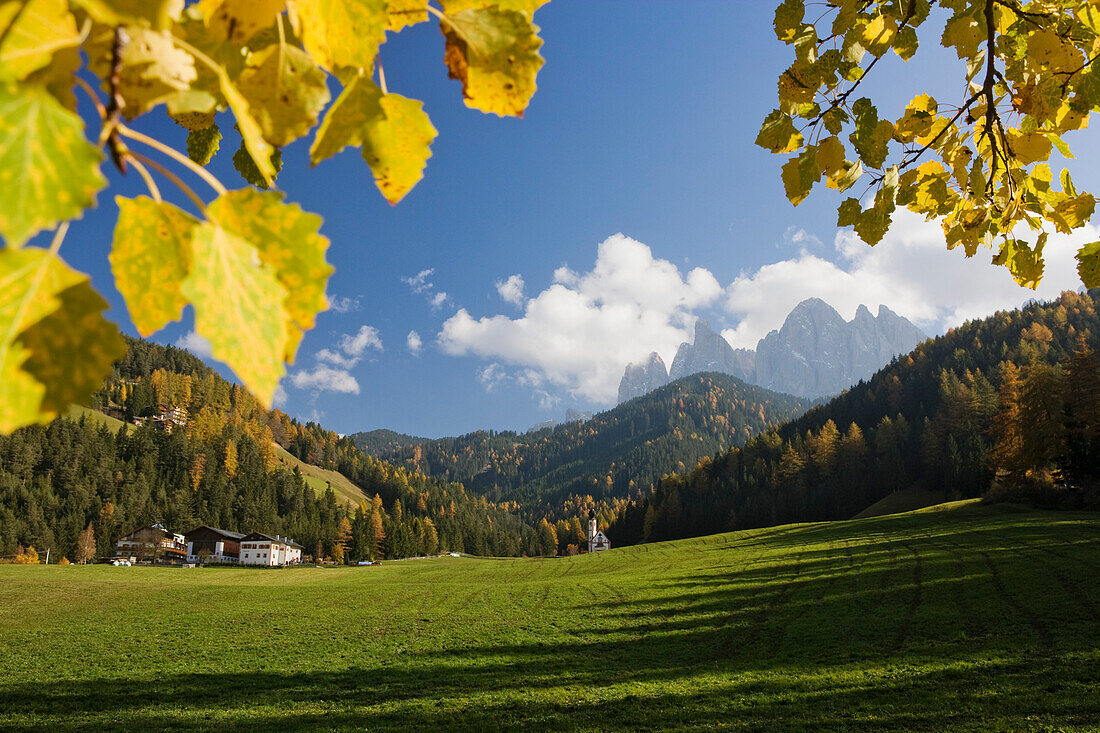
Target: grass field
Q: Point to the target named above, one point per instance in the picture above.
(967, 618)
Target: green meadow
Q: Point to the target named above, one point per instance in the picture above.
(964, 618)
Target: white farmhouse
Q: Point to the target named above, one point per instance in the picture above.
(258, 548)
(597, 540)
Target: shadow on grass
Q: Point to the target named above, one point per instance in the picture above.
(916, 627)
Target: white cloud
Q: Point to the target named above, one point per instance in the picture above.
(419, 282)
(332, 372)
(355, 345)
(580, 332)
(438, 300)
(323, 378)
(492, 375)
(910, 271)
(335, 358)
(196, 344)
(511, 290)
(414, 341)
(280, 397)
(340, 304)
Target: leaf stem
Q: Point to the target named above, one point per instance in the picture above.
(382, 79)
(175, 155)
(91, 92)
(187, 190)
(144, 173)
(58, 237)
(443, 18)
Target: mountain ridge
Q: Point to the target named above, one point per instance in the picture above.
(814, 354)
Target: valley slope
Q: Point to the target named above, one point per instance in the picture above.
(615, 454)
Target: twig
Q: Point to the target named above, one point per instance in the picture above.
(91, 92)
(179, 157)
(187, 190)
(144, 173)
(116, 102)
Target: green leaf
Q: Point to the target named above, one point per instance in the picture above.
(30, 33)
(871, 135)
(341, 33)
(778, 133)
(1088, 264)
(202, 144)
(238, 308)
(55, 346)
(49, 172)
(287, 241)
(800, 173)
(150, 257)
(788, 19)
(495, 54)
(285, 92)
(246, 166)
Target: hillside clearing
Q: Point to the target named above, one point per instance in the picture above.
(321, 478)
(970, 618)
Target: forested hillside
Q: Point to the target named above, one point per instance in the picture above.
(1010, 402)
(616, 454)
(206, 453)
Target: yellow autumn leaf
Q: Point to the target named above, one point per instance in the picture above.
(54, 344)
(239, 309)
(287, 240)
(31, 32)
(150, 257)
(495, 54)
(238, 20)
(341, 33)
(285, 92)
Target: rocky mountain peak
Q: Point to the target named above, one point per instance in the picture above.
(641, 378)
(711, 353)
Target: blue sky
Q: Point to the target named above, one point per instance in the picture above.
(643, 125)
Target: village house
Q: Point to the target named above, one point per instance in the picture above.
(258, 548)
(210, 544)
(167, 419)
(153, 543)
(597, 540)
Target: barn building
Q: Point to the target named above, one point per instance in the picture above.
(597, 540)
(154, 543)
(210, 544)
(258, 548)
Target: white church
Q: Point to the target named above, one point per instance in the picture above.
(597, 540)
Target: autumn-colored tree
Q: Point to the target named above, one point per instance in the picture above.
(547, 538)
(376, 532)
(979, 163)
(25, 556)
(343, 539)
(229, 460)
(85, 545)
